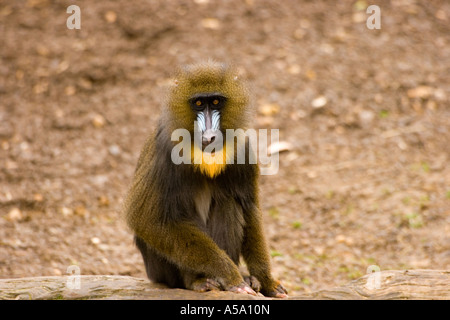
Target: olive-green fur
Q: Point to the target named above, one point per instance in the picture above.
(179, 247)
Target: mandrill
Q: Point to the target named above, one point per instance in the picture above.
(193, 221)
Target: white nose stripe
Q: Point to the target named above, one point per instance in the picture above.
(215, 120)
(201, 121)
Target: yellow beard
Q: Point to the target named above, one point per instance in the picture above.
(208, 164)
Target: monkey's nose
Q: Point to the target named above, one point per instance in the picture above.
(208, 137)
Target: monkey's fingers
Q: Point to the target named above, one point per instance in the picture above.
(206, 284)
(280, 295)
(253, 283)
(242, 288)
(278, 292)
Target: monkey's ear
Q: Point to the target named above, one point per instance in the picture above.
(175, 82)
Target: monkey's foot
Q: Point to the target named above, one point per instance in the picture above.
(242, 288)
(253, 283)
(277, 291)
(205, 284)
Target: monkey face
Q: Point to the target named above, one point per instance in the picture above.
(208, 99)
(208, 107)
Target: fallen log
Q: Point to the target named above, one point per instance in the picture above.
(389, 284)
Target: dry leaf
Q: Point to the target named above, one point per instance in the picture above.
(359, 17)
(70, 90)
(319, 102)
(420, 92)
(278, 147)
(95, 240)
(110, 16)
(66, 211)
(80, 211)
(38, 197)
(14, 215)
(294, 69)
(210, 23)
(269, 109)
(98, 121)
(103, 201)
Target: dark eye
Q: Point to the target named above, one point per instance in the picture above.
(197, 104)
(217, 102)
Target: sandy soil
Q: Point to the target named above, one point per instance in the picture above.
(366, 179)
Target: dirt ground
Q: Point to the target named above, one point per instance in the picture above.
(366, 177)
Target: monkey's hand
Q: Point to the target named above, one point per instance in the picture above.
(275, 289)
(209, 284)
(205, 284)
(242, 288)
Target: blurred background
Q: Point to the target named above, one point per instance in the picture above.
(364, 118)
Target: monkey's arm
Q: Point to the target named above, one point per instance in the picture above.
(256, 255)
(185, 245)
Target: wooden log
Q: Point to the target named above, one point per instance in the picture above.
(390, 284)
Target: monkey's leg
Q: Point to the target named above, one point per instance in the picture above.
(158, 269)
(188, 248)
(256, 255)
